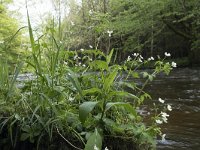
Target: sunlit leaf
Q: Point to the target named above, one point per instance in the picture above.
(94, 141)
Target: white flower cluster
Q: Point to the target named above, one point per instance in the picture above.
(76, 57)
(90, 12)
(109, 33)
(72, 23)
(151, 58)
(129, 58)
(161, 100)
(139, 57)
(174, 64)
(163, 115)
(167, 54)
(135, 54)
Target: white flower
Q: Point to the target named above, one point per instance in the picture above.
(84, 65)
(152, 58)
(164, 116)
(159, 121)
(129, 58)
(1, 42)
(71, 99)
(96, 148)
(109, 33)
(141, 57)
(163, 137)
(75, 57)
(90, 46)
(169, 107)
(167, 54)
(72, 23)
(165, 119)
(140, 60)
(161, 100)
(174, 64)
(90, 59)
(106, 148)
(135, 54)
(81, 49)
(79, 64)
(90, 12)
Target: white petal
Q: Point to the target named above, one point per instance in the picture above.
(169, 107)
(161, 100)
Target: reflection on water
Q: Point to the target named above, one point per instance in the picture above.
(181, 90)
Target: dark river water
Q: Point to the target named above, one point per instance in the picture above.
(181, 89)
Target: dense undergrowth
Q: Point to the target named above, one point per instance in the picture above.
(77, 100)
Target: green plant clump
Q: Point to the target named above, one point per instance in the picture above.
(77, 100)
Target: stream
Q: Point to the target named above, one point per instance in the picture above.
(181, 89)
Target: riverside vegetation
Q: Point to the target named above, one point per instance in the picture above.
(78, 100)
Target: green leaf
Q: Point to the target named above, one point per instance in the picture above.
(124, 94)
(127, 106)
(91, 91)
(85, 109)
(108, 58)
(109, 105)
(99, 64)
(31, 33)
(110, 79)
(95, 140)
(74, 80)
(24, 136)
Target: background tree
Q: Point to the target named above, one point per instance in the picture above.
(9, 38)
(148, 27)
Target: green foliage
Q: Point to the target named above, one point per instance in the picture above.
(75, 100)
(94, 141)
(148, 27)
(9, 36)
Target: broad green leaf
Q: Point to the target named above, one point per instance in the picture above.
(94, 141)
(85, 109)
